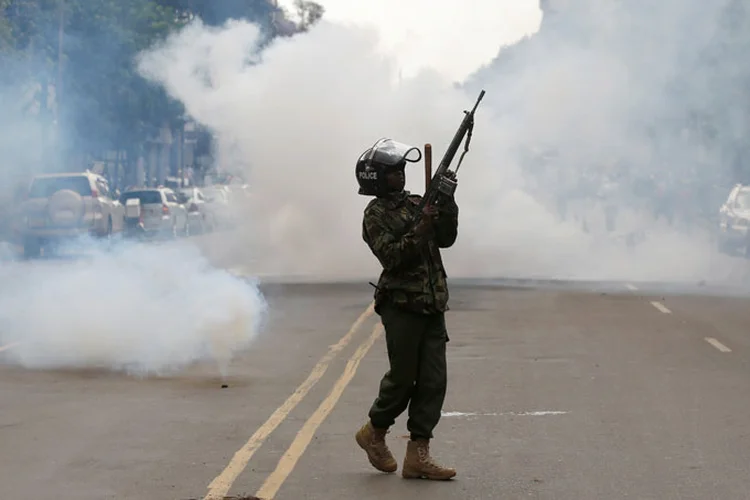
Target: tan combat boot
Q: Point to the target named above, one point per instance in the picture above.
(372, 440)
(418, 463)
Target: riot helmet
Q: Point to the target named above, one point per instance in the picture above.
(376, 162)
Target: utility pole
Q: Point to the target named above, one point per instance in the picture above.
(60, 34)
(58, 83)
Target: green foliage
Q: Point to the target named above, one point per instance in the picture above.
(109, 105)
(84, 52)
(217, 12)
(27, 42)
(714, 89)
(308, 12)
(6, 33)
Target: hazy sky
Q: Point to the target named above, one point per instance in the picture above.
(454, 37)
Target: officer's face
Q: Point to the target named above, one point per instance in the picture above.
(396, 178)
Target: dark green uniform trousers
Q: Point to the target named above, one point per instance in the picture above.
(418, 375)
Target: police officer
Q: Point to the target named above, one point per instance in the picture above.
(411, 298)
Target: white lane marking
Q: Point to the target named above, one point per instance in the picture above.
(219, 487)
(630, 287)
(304, 437)
(9, 346)
(511, 413)
(661, 307)
(539, 413)
(717, 344)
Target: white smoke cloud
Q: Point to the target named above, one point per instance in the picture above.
(295, 118)
(452, 38)
(140, 309)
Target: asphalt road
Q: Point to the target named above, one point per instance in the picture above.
(556, 392)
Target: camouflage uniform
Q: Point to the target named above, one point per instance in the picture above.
(413, 276)
(411, 298)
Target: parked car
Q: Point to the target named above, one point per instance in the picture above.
(219, 205)
(157, 210)
(65, 206)
(734, 220)
(200, 219)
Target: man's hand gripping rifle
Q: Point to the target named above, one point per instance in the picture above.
(443, 182)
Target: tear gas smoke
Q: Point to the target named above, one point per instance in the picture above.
(602, 88)
(20, 131)
(452, 38)
(141, 309)
(294, 118)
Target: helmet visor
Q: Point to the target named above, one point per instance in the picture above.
(391, 153)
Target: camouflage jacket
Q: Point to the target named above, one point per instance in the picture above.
(413, 275)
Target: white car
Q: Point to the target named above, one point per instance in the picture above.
(66, 206)
(199, 217)
(734, 220)
(219, 205)
(158, 211)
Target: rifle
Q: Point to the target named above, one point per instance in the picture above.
(440, 183)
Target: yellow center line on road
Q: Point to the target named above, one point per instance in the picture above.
(8, 346)
(221, 485)
(295, 451)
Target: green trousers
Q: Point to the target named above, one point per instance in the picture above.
(418, 375)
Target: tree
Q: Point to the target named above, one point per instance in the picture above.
(308, 13)
(272, 19)
(26, 27)
(83, 52)
(717, 89)
(107, 103)
(102, 102)
(6, 34)
(216, 13)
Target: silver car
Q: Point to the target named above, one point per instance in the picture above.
(65, 206)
